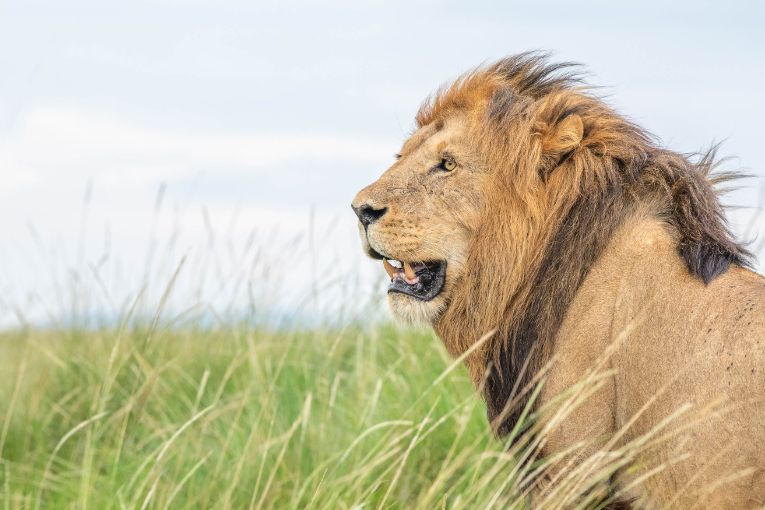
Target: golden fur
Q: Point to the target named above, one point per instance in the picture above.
(560, 223)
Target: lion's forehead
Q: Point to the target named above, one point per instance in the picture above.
(435, 137)
(420, 137)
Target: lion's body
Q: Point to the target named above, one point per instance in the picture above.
(576, 242)
(678, 342)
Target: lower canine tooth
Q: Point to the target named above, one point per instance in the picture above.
(409, 272)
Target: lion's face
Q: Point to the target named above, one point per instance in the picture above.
(420, 218)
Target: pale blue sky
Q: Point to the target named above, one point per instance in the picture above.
(260, 111)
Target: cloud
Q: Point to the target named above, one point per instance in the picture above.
(63, 144)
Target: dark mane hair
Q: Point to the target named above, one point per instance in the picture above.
(529, 261)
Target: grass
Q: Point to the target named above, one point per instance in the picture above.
(247, 418)
(243, 418)
(250, 417)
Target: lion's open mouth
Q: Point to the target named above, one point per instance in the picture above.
(421, 280)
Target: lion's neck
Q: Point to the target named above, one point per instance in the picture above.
(642, 256)
(605, 227)
(527, 319)
(509, 363)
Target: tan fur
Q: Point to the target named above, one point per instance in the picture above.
(563, 227)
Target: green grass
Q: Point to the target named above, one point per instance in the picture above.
(238, 418)
(247, 418)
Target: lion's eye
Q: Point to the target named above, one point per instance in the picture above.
(448, 164)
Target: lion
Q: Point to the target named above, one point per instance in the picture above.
(525, 210)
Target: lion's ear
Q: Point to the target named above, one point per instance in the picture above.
(564, 137)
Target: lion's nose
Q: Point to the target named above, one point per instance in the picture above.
(368, 214)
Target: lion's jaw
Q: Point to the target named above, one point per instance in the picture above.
(420, 219)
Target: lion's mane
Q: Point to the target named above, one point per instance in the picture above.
(530, 258)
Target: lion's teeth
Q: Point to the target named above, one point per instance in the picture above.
(409, 272)
(403, 270)
(392, 271)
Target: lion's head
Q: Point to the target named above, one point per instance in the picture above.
(421, 217)
(513, 183)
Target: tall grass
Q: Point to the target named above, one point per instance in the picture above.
(157, 413)
(242, 418)
(238, 418)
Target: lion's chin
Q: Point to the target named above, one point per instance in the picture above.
(415, 311)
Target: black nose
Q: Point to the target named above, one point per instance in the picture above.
(368, 214)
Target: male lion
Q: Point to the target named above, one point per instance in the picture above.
(524, 208)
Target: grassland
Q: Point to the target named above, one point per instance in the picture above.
(243, 418)
(373, 417)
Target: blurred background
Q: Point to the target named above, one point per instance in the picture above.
(199, 157)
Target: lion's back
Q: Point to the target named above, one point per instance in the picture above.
(703, 361)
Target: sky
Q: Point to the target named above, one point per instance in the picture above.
(224, 140)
